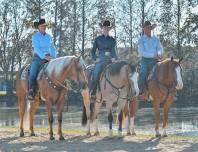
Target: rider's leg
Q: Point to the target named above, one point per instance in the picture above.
(143, 74)
(33, 74)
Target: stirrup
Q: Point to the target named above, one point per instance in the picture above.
(30, 95)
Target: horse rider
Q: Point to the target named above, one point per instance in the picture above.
(150, 50)
(43, 51)
(105, 45)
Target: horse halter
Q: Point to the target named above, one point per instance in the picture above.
(117, 90)
(78, 70)
(170, 89)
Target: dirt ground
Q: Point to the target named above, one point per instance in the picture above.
(78, 142)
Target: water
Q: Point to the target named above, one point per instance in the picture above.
(182, 121)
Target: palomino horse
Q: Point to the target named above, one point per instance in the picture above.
(118, 83)
(52, 89)
(163, 82)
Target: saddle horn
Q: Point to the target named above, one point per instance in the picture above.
(171, 58)
(180, 59)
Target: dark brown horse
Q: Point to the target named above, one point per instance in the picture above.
(52, 89)
(163, 82)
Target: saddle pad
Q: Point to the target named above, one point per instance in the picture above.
(25, 73)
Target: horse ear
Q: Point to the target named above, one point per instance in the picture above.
(77, 59)
(171, 58)
(180, 59)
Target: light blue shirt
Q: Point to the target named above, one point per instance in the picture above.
(43, 44)
(149, 47)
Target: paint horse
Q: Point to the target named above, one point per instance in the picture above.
(52, 89)
(118, 83)
(163, 82)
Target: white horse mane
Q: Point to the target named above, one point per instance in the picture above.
(56, 65)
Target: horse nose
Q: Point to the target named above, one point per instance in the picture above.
(179, 86)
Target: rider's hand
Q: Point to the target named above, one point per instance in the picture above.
(48, 58)
(96, 61)
(113, 60)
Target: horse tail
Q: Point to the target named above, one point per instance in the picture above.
(125, 114)
(84, 117)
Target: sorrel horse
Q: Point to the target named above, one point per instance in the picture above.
(163, 82)
(118, 83)
(52, 88)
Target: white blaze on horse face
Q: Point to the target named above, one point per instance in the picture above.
(179, 78)
(134, 78)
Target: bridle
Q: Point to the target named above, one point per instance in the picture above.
(171, 90)
(117, 90)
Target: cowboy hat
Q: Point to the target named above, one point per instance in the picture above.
(106, 23)
(42, 22)
(148, 23)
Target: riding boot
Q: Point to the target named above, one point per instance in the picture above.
(31, 91)
(93, 92)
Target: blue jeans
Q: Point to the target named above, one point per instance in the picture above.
(34, 70)
(146, 66)
(99, 66)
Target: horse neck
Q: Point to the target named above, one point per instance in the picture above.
(164, 74)
(66, 72)
(121, 79)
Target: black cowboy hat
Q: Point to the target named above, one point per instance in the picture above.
(148, 23)
(106, 23)
(40, 22)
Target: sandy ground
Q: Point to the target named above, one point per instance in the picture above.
(78, 142)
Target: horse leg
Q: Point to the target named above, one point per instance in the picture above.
(33, 108)
(122, 109)
(110, 117)
(156, 109)
(95, 117)
(21, 103)
(133, 109)
(167, 106)
(86, 110)
(60, 107)
(50, 118)
(120, 114)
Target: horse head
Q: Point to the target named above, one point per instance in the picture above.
(169, 72)
(133, 77)
(79, 72)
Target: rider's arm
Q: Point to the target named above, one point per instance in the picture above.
(113, 50)
(140, 47)
(93, 51)
(36, 47)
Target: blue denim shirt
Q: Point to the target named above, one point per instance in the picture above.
(149, 47)
(104, 44)
(43, 44)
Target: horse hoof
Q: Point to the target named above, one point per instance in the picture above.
(32, 134)
(165, 135)
(52, 138)
(158, 135)
(21, 134)
(97, 133)
(128, 134)
(88, 134)
(61, 138)
(120, 133)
